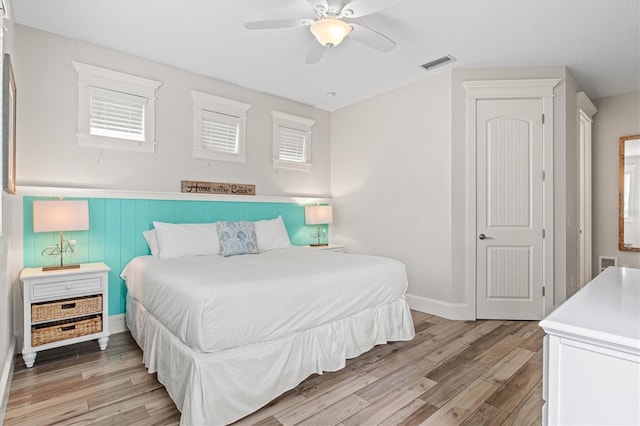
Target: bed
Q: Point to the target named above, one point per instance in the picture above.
(226, 335)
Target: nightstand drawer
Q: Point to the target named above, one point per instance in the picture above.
(66, 308)
(63, 330)
(66, 288)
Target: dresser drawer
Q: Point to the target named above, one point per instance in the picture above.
(66, 288)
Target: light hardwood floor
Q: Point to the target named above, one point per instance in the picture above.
(452, 373)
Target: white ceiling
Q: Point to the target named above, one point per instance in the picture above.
(599, 41)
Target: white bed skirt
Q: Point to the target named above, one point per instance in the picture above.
(221, 387)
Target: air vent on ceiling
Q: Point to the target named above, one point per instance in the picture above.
(438, 62)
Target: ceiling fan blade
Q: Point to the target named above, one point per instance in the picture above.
(371, 38)
(360, 8)
(316, 50)
(277, 23)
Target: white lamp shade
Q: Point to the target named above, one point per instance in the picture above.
(318, 215)
(330, 31)
(60, 215)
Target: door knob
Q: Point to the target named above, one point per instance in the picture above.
(482, 237)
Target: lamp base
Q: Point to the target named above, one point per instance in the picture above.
(58, 267)
(319, 245)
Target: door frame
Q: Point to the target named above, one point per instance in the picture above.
(586, 111)
(510, 89)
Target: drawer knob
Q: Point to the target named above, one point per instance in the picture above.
(68, 287)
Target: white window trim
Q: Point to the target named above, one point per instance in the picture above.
(102, 78)
(302, 124)
(216, 104)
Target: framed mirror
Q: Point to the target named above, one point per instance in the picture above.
(629, 194)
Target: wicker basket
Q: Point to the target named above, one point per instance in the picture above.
(66, 308)
(42, 334)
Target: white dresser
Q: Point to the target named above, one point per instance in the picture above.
(592, 354)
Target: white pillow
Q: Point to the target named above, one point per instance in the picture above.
(272, 234)
(151, 237)
(186, 239)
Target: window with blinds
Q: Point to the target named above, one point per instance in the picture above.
(291, 141)
(219, 132)
(115, 110)
(219, 128)
(116, 115)
(292, 145)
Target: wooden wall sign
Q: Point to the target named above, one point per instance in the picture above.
(196, 187)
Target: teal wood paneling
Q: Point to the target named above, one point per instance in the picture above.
(127, 251)
(112, 249)
(97, 248)
(116, 225)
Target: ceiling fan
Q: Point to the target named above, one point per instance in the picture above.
(335, 20)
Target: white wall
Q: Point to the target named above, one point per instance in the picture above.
(617, 116)
(48, 153)
(7, 266)
(7, 340)
(391, 181)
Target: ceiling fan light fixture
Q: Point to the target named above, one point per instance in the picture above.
(330, 31)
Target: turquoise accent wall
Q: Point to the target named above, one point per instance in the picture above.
(116, 225)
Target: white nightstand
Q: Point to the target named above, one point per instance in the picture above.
(338, 248)
(64, 307)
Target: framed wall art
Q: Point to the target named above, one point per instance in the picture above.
(8, 127)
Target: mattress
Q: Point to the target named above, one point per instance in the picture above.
(212, 303)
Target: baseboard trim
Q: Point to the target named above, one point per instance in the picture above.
(452, 311)
(5, 377)
(117, 324)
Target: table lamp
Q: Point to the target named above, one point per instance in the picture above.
(60, 216)
(318, 215)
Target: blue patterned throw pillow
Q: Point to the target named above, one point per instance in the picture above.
(237, 238)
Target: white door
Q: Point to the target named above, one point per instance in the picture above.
(584, 183)
(586, 111)
(510, 209)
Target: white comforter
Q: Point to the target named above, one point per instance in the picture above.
(213, 303)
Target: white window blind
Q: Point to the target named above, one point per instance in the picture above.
(292, 145)
(220, 132)
(219, 128)
(115, 110)
(116, 114)
(291, 141)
